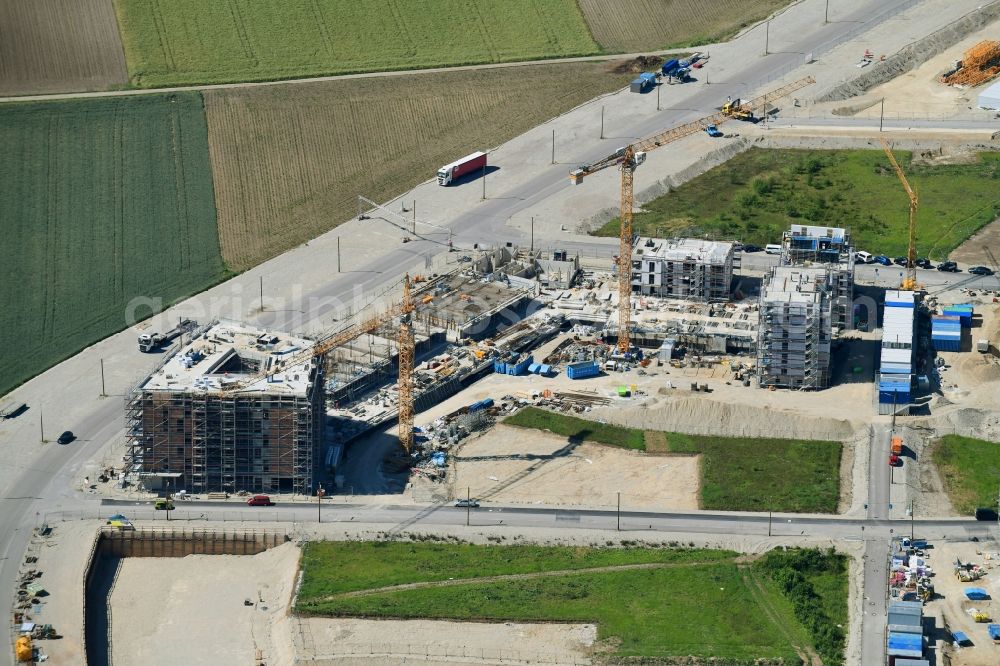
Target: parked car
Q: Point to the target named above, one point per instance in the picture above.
(894, 460)
(713, 131)
(163, 505)
(883, 260)
(900, 261)
(752, 248)
(980, 270)
(986, 513)
(472, 503)
(772, 248)
(923, 262)
(949, 267)
(66, 437)
(863, 257)
(260, 500)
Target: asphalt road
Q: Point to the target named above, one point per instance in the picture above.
(45, 486)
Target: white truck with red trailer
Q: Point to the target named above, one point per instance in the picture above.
(449, 173)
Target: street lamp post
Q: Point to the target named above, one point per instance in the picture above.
(319, 503)
(618, 513)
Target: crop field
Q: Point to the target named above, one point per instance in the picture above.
(289, 161)
(58, 46)
(756, 195)
(737, 474)
(177, 42)
(630, 26)
(654, 603)
(970, 471)
(102, 201)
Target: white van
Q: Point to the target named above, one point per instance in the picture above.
(771, 248)
(863, 257)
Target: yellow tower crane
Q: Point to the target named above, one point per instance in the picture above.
(630, 157)
(910, 282)
(406, 369)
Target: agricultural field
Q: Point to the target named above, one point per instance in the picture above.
(183, 42)
(737, 474)
(655, 603)
(756, 195)
(970, 469)
(290, 160)
(630, 26)
(57, 46)
(102, 201)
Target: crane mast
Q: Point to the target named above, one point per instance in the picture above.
(406, 369)
(625, 252)
(910, 282)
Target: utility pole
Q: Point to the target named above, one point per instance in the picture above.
(553, 147)
(769, 516)
(658, 96)
(881, 114)
(484, 182)
(602, 122)
(826, 13)
(618, 513)
(41, 425)
(103, 392)
(468, 505)
(338, 254)
(910, 511)
(767, 35)
(319, 504)
(261, 293)
(532, 248)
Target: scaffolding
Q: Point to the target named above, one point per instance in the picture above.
(807, 245)
(686, 268)
(255, 440)
(793, 345)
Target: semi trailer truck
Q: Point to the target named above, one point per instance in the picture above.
(449, 173)
(150, 342)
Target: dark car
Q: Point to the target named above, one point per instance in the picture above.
(985, 513)
(883, 260)
(923, 262)
(260, 500)
(900, 261)
(66, 437)
(949, 267)
(752, 248)
(980, 270)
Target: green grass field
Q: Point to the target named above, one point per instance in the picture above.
(700, 603)
(970, 469)
(191, 41)
(737, 474)
(102, 202)
(758, 194)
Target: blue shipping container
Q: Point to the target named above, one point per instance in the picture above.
(948, 345)
(669, 66)
(582, 370)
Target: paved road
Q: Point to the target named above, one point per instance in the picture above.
(45, 485)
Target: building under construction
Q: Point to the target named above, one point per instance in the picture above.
(685, 268)
(228, 412)
(830, 247)
(794, 336)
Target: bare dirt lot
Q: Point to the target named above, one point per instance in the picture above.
(49, 46)
(952, 611)
(289, 161)
(554, 471)
(173, 606)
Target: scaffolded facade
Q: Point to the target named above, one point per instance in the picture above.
(808, 245)
(261, 437)
(794, 337)
(685, 268)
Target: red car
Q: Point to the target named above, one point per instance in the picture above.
(894, 460)
(260, 500)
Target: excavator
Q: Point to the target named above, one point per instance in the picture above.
(739, 109)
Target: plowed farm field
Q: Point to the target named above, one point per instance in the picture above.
(176, 42)
(59, 46)
(106, 211)
(629, 26)
(290, 160)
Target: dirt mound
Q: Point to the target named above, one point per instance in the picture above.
(701, 416)
(636, 65)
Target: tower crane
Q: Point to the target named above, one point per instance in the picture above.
(910, 282)
(405, 387)
(628, 159)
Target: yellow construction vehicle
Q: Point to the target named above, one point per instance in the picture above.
(738, 109)
(980, 616)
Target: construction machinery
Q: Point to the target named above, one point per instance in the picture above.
(628, 158)
(151, 342)
(979, 64)
(910, 281)
(738, 109)
(405, 376)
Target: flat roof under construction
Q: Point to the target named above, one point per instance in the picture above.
(229, 352)
(684, 249)
(795, 284)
